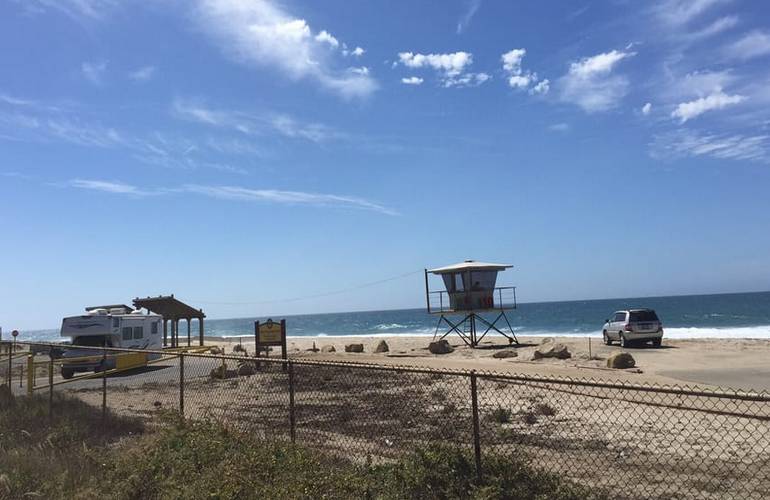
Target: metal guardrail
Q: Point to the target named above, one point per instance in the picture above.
(498, 299)
(628, 440)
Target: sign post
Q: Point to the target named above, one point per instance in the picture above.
(15, 334)
(269, 334)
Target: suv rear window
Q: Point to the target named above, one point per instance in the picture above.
(642, 316)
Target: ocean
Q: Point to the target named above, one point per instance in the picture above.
(739, 315)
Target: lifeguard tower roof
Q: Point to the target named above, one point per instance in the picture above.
(470, 265)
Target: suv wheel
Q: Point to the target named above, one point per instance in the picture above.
(67, 373)
(656, 342)
(607, 340)
(623, 340)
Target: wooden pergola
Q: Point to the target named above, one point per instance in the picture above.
(173, 310)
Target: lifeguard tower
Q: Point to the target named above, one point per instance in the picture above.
(470, 291)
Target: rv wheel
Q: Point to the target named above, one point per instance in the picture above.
(67, 373)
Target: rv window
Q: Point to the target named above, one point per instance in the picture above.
(127, 333)
(154, 328)
(138, 332)
(115, 322)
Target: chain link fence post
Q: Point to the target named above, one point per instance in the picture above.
(10, 365)
(181, 385)
(292, 418)
(50, 389)
(476, 438)
(104, 388)
(30, 374)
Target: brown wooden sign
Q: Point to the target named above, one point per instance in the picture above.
(270, 333)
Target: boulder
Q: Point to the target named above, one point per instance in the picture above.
(440, 347)
(216, 350)
(328, 348)
(381, 346)
(221, 372)
(354, 348)
(547, 340)
(246, 369)
(551, 350)
(506, 353)
(239, 349)
(621, 360)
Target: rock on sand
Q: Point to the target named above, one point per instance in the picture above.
(440, 347)
(328, 348)
(506, 353)
(551, 350)
(354, 348)
(381, 346)
(621, 360)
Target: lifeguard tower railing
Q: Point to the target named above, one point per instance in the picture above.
(499, 298)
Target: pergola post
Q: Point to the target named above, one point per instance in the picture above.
(188, 332)
(165, 332)
(200, 328)
(174, 326)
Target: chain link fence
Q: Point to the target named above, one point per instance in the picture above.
(619, 439)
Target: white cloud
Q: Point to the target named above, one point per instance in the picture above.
(452, 64)
(358, 52)
(412, 80)
(646, 109)
(751, 45)
(452, 67)
(542, 87)
(590, 84)
(687, 143)
(94, 72)
(521, 79)
(470, 11)
(143, 74)
(467, 80)
(325, 37)
(108, 187)
(718, 100)
(259, 32)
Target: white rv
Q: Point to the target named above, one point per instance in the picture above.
(114, 326)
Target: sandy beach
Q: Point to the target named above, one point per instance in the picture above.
(726, 363)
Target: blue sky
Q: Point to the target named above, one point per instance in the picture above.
(239, 153)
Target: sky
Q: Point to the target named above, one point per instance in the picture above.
(254, 156)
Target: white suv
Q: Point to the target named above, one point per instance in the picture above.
(633, 325)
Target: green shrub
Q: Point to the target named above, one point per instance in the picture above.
(500, 415)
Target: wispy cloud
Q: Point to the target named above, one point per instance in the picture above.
(94, 71)
(254, 124)
(237, 193)
(680, 12)
(689, 143)
(109, 187)
(143, 74)
(749, 46)
(262, 33)
(559, 127)
(76, 9)
(452, 67)
(590, 84)
(472, 6)
(717, 100)
(287, 197)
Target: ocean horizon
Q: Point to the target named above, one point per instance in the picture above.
(733, 315)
